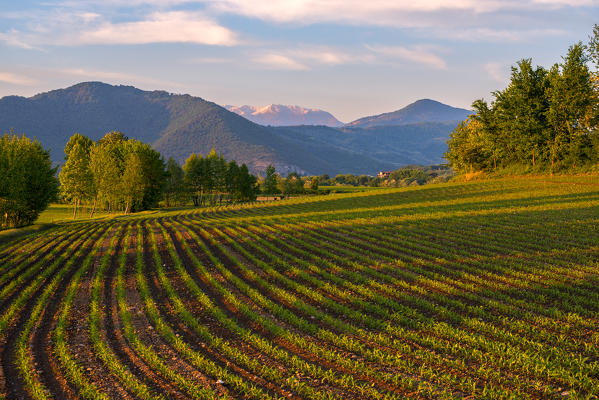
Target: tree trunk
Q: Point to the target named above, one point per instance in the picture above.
(75, 209)
(533, 157)
(91, 214)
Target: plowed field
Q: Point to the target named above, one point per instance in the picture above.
(464, 290)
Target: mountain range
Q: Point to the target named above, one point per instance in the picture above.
(280, 115)
(177, 125)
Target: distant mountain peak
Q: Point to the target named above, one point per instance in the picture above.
(423, 110)
(285, 115)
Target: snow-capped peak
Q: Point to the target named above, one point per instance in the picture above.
(285, 115)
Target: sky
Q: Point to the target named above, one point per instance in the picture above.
(353, 58)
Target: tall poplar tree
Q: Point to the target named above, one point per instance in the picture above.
(174, 186)
(76, 177)
(270, 181)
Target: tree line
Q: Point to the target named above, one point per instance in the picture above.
(545, 119)
(115, 173)
(409, 175)
(208, 180)
(127, 175)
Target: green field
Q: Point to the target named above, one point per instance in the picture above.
(476, 290)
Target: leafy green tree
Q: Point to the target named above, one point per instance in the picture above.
(115, 162)
(520, 112)
(153, 172)
(594, 46)
(216, 182)
(76, 177)
(194, 178)
(314, 183)
(232, 178)
(28, 181)
(466, 147)
(247, 184)
(174, 188)
(269, 186)
(133, 182)
(293, 184)
(572, 112)
(549, 119)
(324, 179)
(490, 132)
(107, 164)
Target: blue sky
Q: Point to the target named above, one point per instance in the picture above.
(350, 57)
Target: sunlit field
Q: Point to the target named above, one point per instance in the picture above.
(486, 289)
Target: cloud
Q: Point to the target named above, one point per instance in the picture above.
(209, 60)
(374, 12)
(311, 57)
(279, 61)
(168, 27)
(497, 35)
(16, 39)
(110, 76)
(157, 27)
(569, 3)
(371, 12)
(415, 54)
(304, 58)
(16, 79)
(497, 71)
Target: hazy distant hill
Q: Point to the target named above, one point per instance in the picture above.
(280, 115)
(423, 143)
(176, 125)
(424, 110)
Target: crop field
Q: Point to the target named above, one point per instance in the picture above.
(486, 290)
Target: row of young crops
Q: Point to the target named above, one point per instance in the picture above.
(478, 290)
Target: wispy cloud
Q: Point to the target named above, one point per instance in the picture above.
(91, 29)
(16, 79)
(168, 27)
(497, 35)
(373, 12)
(497, 71)
(570, 3)
(279, 61)
(415, 54)
(111, 77)
(312, 57)
(209, 60)
(302, 58)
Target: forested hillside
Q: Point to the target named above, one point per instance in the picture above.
(177, 125)
(421, 143)
(424, 110)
